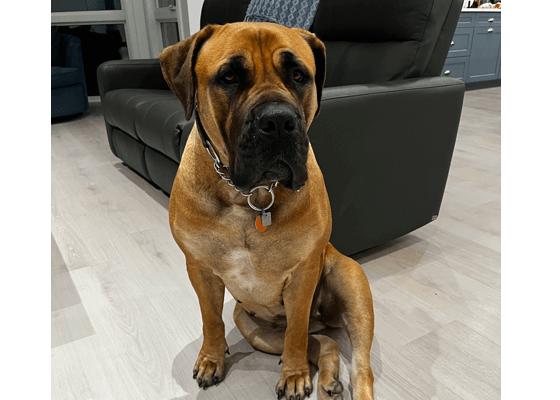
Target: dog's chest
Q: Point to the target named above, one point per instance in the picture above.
(254, 268)
(249, 279)
(240, 271)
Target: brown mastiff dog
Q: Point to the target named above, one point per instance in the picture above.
(255, 89)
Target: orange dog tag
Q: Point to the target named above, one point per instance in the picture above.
(258, 224)
(263, 220)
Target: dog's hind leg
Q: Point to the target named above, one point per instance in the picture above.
(260, 334)
(322, 351)
(348, 303)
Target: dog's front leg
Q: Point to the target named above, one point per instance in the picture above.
(295, 381)
(209, 367)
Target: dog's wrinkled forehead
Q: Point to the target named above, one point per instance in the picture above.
(190, 65)
(252, 46)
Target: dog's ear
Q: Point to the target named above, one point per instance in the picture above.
(320, 55)
(177, 64)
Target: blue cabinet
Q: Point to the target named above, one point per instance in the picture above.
(484, 55)
(461, 44)
(475, 52)
(456, 67)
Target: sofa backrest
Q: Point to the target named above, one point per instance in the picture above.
(370, 41)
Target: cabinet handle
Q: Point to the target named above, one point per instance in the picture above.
(490, 19)
(447, 72)
(490, 29)
(452, 43)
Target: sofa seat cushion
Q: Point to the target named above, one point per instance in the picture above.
(155, 117)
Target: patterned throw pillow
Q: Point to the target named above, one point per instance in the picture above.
(290, 13)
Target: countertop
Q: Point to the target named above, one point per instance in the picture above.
(481, 10)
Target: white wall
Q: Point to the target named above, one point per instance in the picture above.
(195, 8)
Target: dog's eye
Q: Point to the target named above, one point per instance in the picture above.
(229, 77)
(298, 76)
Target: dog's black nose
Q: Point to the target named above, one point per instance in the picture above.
(276, 119)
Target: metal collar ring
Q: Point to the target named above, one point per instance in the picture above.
(269, 190)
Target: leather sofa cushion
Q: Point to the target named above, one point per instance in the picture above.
(372, 20)
(155, 117)
(349, 20)
(352, 63)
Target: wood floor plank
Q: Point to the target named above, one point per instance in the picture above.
(402, 316)
(463, 360)
(399, 378)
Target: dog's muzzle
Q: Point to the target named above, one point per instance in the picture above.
(275, 121)
(273, 146)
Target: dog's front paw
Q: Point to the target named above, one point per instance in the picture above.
(295, 384)
(209, 367)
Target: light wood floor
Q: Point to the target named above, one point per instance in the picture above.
(126, 322)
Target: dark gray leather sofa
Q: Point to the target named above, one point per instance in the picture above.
(388, 123)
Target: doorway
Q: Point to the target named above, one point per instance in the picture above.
(120, 29)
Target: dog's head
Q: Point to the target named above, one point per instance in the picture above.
(258, 87)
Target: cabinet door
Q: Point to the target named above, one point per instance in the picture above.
(484, 55)
(456, 67)
(466, 20)
(461, 43)
(488, 19)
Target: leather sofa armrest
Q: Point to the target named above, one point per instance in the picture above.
(130, 74)
(432, 84)
(385, 150)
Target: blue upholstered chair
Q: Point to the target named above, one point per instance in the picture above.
(68, 82)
